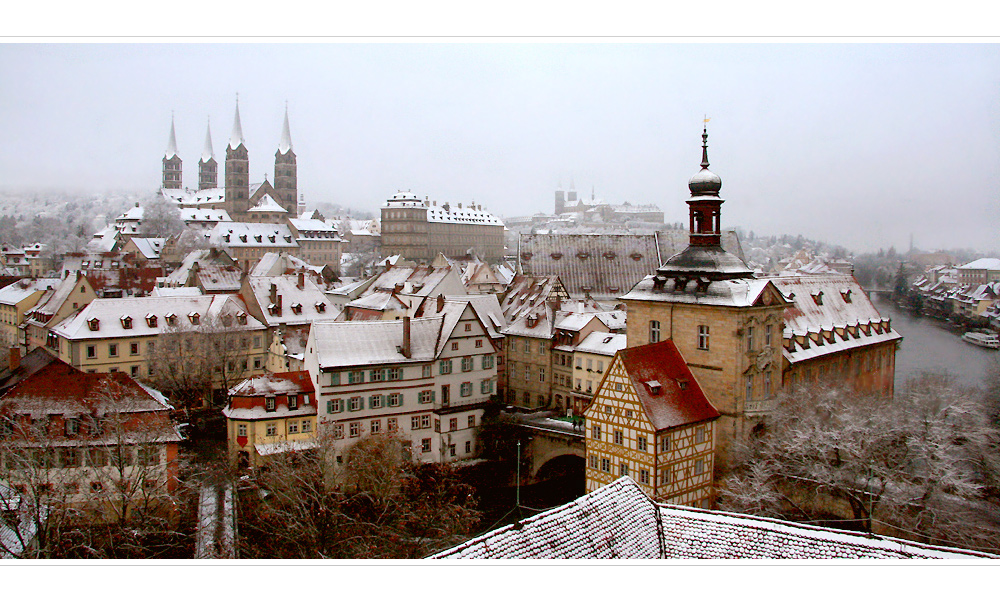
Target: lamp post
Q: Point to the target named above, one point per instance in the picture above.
(518, 464)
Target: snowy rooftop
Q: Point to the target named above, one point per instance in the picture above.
(298, 306)
(990, 264)
(599, 342)
(267, 204)
(17, 291)
(620, 521)
(134, 317)
(252, 234)
(730, 292)
(353, 343)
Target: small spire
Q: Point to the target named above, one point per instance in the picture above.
(236, 138)
(592, 193)
(207, 153)
(286, 135)
(704, 146)
(172, 143)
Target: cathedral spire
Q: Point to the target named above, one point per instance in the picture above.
(286, 135)
(207, 153)
(704, 146)
(172, 143)
(236, 138)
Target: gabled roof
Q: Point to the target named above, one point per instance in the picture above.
(267, 204)
(620, 521)
(19, 290)
(289, 382)
(679, 400)
(990, 264)
(729, 292)
(601, 342)
(298, 305)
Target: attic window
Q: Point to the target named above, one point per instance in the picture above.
(94, 324)
(613, 289)
(226, 238)
(846, 295)
(270, 238)
(258, 238)
(321, 307)
(288, 238)
(635, 256)
(556, 255)
(241, 318)
(195, 318)
(817, 298)
(583, 255)
(227, 320)
(243, 238)
(171, 319)
(126, 322)
(297, 308)
(654, 386)
(151, 320)
(682, 383)
(610, 255)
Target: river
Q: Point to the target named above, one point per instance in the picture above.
(933, 345)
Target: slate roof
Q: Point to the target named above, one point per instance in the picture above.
(729, 292)
(620, 521)
(19, 290)
(602, 342)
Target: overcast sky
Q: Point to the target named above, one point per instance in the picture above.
(856, 144)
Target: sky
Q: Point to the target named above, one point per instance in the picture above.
(858, 144)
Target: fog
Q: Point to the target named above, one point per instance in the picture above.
(857, 144)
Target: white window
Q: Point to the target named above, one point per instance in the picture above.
(338, 430)
(699, 434)
(392, 425)
(293, 426)
(335, 405)
(750, 337)
(426, 371)
(699, 466)
(654, 332)
(425, 421)
(623, 469)
(272, 429)
(375, 401)
(703, 337)
(355, 429)
(415, 422)
(395, 399)
(466, 388)
(241, 430)
(376, 426)
(619, 437)
(466, 363)
(307, 425)
(356, 403)
(641, 443)
(665, 443)
(269, 403)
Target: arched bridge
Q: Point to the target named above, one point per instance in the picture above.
(556, 446)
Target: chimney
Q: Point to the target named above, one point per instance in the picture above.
(279, 305)
(440, 304)
(406, 337)
(274, 293)
(302, 280)
(14, 360)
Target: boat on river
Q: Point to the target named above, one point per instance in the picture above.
(986, 340)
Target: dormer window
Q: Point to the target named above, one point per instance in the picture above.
(817, 298)
(270, 238)
(288, 239)
(846, 295)
(151, 320)
(635, 256)
(556, 255)
(94, 324)
(243, 238)
(654, 386)
(227, 320)
(610, 255)
(226, 238)
(321, 307)
(269, 403)
(583, 255)
(297, 308)
(241, 318)
(195, 318)
(171, 319)
(258, 238)
(126, 322)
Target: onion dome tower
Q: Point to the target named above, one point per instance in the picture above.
(704, 259)
(286, 171)
(237, 171)
(208, 168)
(172, 170)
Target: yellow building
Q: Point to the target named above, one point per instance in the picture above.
(126, 334)
(271, 414)
(15, 301)
(73, 293)
(726, 323)
(650, 420)
(591, 358)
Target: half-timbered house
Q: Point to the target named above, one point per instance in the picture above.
(650, 420)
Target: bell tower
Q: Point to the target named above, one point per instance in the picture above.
(172, 162)
(208, 168)
(237, 171)
(286, 172)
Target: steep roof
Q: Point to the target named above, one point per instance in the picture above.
(236, 138)
(289, 382)
(171, 151)
(601, 342)
(728, 292)
(679, 399)
(620, 521)
(19, 290)
(286, 136)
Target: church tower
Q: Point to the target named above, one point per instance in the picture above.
(208, 168)
(285, 172)
(560, 200)
(172, 162)
(237, 171)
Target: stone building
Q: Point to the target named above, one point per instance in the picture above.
(420, 230)
(725, 322)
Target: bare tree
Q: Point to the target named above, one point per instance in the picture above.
(372, 503)
(193, 362)
(920, 466)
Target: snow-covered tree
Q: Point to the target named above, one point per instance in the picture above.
(921, 466)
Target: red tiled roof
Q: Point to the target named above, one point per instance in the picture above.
(673, 405)
(60, 381)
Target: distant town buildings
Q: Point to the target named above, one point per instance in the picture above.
(421, 229)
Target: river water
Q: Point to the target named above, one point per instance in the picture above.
(933, 345)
